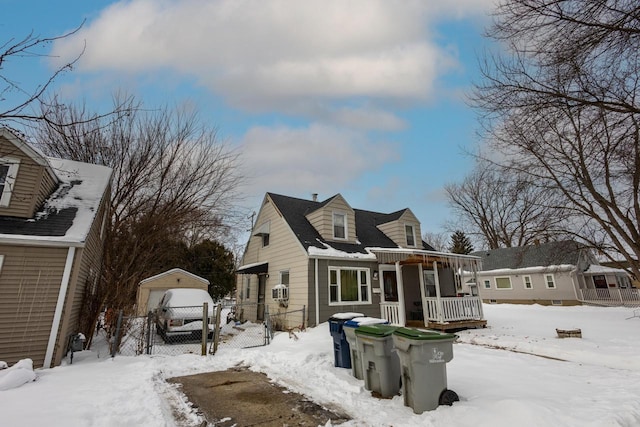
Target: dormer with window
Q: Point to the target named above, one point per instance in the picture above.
(403, 229)
(26, 178)
(335, 220)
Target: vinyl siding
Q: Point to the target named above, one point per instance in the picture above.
(564, 289)
(395, 229)
(86, 268)
(31, 187)
(326, 310)
(322, 219)
(284, 252)
(29, 284)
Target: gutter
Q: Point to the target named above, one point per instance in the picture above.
(64, 285)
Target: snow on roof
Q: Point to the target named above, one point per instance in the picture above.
(331, 252)
(82, 187)
(539, 269)
(601, 269)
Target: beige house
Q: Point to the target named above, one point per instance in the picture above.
(52, 215)
(327, 257)
(151, 289)
(555, 273)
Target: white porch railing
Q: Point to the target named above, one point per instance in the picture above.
(453, 309)
(612, 296)
(391, 311)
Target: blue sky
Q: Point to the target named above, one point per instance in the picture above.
(363, 98)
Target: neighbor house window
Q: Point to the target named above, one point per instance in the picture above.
(339, 225)
(265, 240)
(8, 173)
(527, 282)
(623, 281)
(548, 278)
(503, 283)
(1, 261)
(487, 284)
(247, 286)
(411, 237)
(349, 285)
(284, 277)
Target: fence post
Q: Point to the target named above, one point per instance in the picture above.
(304, 316)
(149, 321)
(116, 341)
(205, 328)
(216, 328)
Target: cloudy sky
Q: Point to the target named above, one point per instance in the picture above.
(362, 97)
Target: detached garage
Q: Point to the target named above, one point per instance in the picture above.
(151, 289)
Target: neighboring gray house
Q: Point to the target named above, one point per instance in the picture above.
(555, 273)
(326, 257)
(52, 214)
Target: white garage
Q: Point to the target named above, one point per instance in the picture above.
(151, 289)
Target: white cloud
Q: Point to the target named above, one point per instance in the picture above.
(262, 54)
(312, 159)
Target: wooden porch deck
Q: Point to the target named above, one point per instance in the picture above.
(449, 326)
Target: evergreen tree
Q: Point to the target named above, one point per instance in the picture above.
(460, 243)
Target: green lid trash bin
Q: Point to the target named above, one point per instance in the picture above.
(380, 363)
(423, 357)
(349, 329)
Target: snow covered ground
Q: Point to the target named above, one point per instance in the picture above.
(514, 372)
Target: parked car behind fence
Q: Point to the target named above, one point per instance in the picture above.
(180, 313)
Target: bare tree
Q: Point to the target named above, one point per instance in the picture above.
(24, 96)
(563, 108)
(438, 241)
(501, 208)
(171, 175)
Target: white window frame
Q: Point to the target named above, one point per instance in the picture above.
(247, 286)
(10, 180)
(334, 214)
(486, 283)
(553, 281)
(361, 285)
(413, 234)
(495, 280)
(1, 262)
(524, 282)
(284, 273)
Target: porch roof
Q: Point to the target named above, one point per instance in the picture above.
(419, 256)
(254, 268)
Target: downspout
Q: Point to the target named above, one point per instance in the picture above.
(64, 285)
(317, 292)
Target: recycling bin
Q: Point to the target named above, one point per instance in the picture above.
(423, 358)
(380, 363)
(340, 345)
(349, 328)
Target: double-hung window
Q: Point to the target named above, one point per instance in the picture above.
(339, 225)
(8, 174)
(548, 278)
(409, 231)
(349, 285)
(527, 282)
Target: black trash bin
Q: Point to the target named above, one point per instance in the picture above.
(341, 351)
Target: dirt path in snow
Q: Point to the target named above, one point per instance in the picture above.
(244, 398)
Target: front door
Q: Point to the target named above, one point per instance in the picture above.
(390, 286)
(262, 284)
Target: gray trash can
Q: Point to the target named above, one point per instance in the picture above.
(349, 329)
(423, 358)
(380, 363)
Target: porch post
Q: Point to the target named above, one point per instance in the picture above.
(475, 280)
(401, 311)
(438, 300)
(425, 309)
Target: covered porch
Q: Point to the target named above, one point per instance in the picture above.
(425, 289)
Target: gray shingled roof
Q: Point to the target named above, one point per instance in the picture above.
(295, 210)
(545, 254)
(54, 224)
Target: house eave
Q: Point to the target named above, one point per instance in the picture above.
(39, 241)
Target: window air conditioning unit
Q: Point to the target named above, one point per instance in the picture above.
(280, 292)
